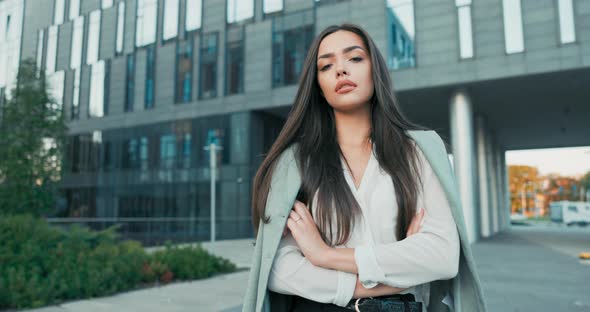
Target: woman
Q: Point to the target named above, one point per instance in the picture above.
(364, 199)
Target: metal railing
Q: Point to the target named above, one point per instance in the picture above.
(158, 230)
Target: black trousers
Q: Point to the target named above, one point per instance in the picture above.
(286, 303)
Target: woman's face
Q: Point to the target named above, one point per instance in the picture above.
(344, 71)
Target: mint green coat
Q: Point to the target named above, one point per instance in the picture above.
(465, 288)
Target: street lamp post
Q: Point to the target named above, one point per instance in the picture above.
(213, 148)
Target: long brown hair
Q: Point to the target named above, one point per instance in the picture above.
(311, 125)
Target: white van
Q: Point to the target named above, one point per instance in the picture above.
(570, 212)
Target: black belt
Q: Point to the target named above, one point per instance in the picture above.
(394, 303)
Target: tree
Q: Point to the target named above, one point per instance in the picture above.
(32, 134)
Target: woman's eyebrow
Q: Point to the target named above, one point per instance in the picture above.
(344, 51)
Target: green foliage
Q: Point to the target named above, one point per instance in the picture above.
(192, 262)
(32, 132)
(41, 264)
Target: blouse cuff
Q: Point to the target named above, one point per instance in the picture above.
(370, 273)
(346, 286)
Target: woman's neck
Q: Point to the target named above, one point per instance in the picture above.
(353, 129)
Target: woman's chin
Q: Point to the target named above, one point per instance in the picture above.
(349, 105)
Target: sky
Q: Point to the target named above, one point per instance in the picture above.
(569, 161)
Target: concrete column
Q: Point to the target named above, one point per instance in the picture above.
(461, 119)
(482, 174)
(494, 190)
(508, 204)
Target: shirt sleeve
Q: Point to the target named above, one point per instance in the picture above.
(429, 255)
(293, 274)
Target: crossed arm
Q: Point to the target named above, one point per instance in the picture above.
(305, 232)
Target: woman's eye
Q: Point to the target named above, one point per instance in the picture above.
(325, 67)
(356, 59)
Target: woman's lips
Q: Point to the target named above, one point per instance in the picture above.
(345, 89)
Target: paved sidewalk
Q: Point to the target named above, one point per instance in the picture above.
(526, 269)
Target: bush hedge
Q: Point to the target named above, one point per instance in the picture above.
(41, 264)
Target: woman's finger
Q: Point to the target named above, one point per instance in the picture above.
(301, 210)
(294, 215)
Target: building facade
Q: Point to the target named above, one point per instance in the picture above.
(147, 84)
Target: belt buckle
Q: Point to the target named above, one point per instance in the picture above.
(356, 304)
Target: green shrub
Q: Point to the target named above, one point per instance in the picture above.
(41, 264)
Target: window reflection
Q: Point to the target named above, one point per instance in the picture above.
(93, 37)
(75, 111)
(400, 18)
(58, 12)
(270, 6)
(51, 50)
(149, 77)
(208, 66)
(567, 29)
(465, 31)
(290, 43)
(56, 89)
(40, 43)
(513, 34)
(120, 27)
(130, 83)
(170, 19)
(77, 39)
(96, 99)
(184, 70)
(235, 61)
(106, 4)
(146, 22)
(239, 10)
(74, 9)
(167, 151)
(193, 14)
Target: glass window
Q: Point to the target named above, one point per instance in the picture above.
(149, 78)
(75, 111)
(106, 4)
(130, 154)
(146, 22)
(58, 12)
(186, 151)
(401, 25)
(51, 50)
(567, 28)
(56, 88)
(239, 10)
(40, 41)
(270, 6)
(96, 99)
(289, 45)
(143, 153)
(93, 38)
(120, 27)
(74, 9)
(167, 151)
(513, 35)
(465, 29)
(130, 85)
(184, 70)
(170, 19)
(208, 66)
(193, 14)
(234, 66)
(77, 39)
(107, 86)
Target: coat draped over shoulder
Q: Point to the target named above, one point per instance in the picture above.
(463, 293)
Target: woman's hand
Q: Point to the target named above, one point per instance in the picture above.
(306, 234)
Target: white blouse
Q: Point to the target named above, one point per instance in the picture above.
(429, 255)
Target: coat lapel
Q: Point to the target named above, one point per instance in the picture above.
(285, 185)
